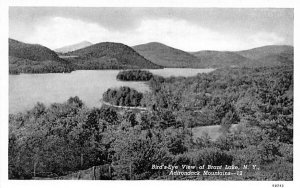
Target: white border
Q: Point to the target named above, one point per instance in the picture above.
(157, 3)
(4, 182)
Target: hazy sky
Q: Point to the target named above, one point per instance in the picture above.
(189, 29)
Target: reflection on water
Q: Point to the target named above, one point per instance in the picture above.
(179, 72)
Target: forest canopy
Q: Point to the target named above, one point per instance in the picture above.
(68, 137)
(123, 96)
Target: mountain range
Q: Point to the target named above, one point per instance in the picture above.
(171, 57)
(34, 58)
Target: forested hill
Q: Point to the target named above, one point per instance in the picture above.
(34, 52)
(260, 52)
(167, 56)
(108, 55)
(217, 59)
(34, 58)
(271, 55)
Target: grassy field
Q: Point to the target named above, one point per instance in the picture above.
(213, 131)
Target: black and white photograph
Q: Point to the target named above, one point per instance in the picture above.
(150, 93)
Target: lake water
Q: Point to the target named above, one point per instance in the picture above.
(25, 90)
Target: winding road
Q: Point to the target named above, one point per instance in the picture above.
(125, 107)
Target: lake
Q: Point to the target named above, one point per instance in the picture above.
(25, 90)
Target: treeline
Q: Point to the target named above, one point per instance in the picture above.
(58, 138)
(63, 138)
(100, 64)
(53, 140)
(134, 75)
(33, 52)
(19, 65)
(32, 58)
(227, 96)
(68, 137)
(123, 96)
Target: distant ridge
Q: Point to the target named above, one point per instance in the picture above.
(109, 55)
(73, 47)
(260, 52)
(218, 59)
(271, 55)
(167, 56)
(34, 58)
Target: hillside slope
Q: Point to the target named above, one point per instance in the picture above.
(260, 52)
(73, 47)
(108, 55)
(271, 55)
(217, 59)
(34, 52)
(34, 58)
(167, 56)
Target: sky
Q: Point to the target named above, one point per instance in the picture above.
(188, 29)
